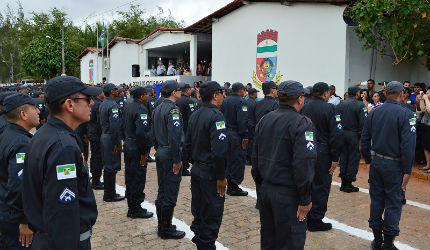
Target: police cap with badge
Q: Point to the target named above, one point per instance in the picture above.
(291, 88)
(237, 86)
(169, 86)
(138, 91)
(14, 101)
(63, 86)
(208, 88)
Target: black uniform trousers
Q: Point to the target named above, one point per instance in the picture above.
(280, 228)
(250, 143)
(184, 155)
(350, 156)
(168, 182)
(236, 158)
(385, 191)
(207, 206)
(321, 183)
(40, 242)
(135, 174)
(9, 236)
(111, 162)
(96, 162)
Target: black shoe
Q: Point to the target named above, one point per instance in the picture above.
(186, 172)
(404, 201)
(318, 225)
(248, 162)
(234, 190)
(98, 186)
(342, 186)
(195, 240)
(114, 198)
(349, 188)
(110, 194)
(389, 243)
(167, 231)
(257, 205)
(378, 240)
(151, 159)
(139, 213)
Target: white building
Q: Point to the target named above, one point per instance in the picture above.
(254, 41)
(90, 63)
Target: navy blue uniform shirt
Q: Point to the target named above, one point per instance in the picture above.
(186, 106)
(110, 120)
(137, 125)
(353, 113)
(390, 130)
(94, 128)
(251, 103)
(264, 106)
(236, 114)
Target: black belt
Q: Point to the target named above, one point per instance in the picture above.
(204, 164)
(322, 143)
(131, 139)
(387, 157)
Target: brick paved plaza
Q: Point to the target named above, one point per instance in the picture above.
(240, 227)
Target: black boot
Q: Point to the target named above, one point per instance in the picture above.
(110, 194)
(342, 186)
(317, 225)
(151, 159)
(389, 243)
(186, 172)
(349, 188)
(159, 220)
(139, 212)
(235, 190)
(167, 231)
(378, 240)
(97, 184)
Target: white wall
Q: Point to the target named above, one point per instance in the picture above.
(85, 72)
(122, 56)
(166, 38)
(311, 42)
(359, 65)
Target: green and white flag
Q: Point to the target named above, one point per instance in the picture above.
(20, 157)
(67, 171)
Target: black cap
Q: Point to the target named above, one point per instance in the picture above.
(308, 90)
(290, 88)
(269, 85)
(16, 100)
(3, 95)
(62, 86)
(353, 90)
(184, 86)
(139, 90)
(252, 91)
(320, 87)
(169, 86)
(208, 87)
(121, 90)
(394, 87)
(227, 83)
(109, 87)
(237, 86)
(332, 87)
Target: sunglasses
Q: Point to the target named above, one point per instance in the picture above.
(88, 99)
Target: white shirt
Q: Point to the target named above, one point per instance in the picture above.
(334, 100)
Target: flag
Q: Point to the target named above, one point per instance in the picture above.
(102, 36)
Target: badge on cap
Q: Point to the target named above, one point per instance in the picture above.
(222, 137)
(220, 125)
(309, 136)
(67, 171)
(67, 196)
(143, 116)
(20, 158)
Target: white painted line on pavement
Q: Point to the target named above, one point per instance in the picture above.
(408, 202)
(343, 227)
(181, 225)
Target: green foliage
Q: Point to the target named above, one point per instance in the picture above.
(399, 28)
(36, 56)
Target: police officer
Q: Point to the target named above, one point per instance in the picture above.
(58, 200)
(120, 99)
(137, 144)
(390, 169)
(283, 164)
(236, 119)
(207, 144)
(328, 138)
(186, 106)
(83, 140)
(269, 102)
(151, 106)
(251, 103)
(110, 122)
(23, 115)
(3, 120)
(353, 114)
(94, 134)
(167, 127)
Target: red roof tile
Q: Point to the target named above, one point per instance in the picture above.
(89, 49)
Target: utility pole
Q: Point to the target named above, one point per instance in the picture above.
(11, 67)
(62, 50)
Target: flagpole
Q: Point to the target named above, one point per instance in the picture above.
(97, 51)
(103, 44)
(107, 52)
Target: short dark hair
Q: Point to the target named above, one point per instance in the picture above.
(208, 97)
(266, 91)
(406, 82)
(13, 115)
(55, 108)
(288, 100)
(371, 80)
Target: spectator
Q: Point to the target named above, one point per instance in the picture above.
(178, 70)
(196, 85)
(334, 99)
(170, 69)
(375, 102)
(227, 85)
(382, 91)
(417, 88)
(209, 70)
(345, 96)
(248, 86)
(364, 94)
(406, 84)
(187, 71)
(425, 132)
(370, 86)
(406, 102)
(161, 69)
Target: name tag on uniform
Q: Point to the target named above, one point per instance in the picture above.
(20, 158)
(337, 118)
(220, 125)
(67, 171)
(412, 121)
(143, 116)
(244, 108)
(309, 136)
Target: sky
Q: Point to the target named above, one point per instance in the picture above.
(90, 11)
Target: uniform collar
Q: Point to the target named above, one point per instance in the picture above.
(209, 105)
(319, 99)
(20, 129)
(268, 97)
(287, 107)
(57, 123)
(392, 101)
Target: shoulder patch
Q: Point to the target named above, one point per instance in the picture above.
(20, 158)
(191, 105)
(364, 109)
(412, 121)
(337, 118)
(175, 116)
(222, 137)
(309, 136)
(20, 174)
(67, 196)
(174, 111)
(143, 116)
(220, 125)
(67, 171)
(114, 110)
(244, 108)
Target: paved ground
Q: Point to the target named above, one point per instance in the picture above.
(240, 228)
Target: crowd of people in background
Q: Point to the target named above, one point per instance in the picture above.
(181, 68)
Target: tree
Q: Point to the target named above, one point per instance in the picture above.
(397, 28)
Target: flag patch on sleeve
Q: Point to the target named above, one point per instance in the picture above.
(67, 171)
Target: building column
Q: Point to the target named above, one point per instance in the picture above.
(144, 61)
(193, 54)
